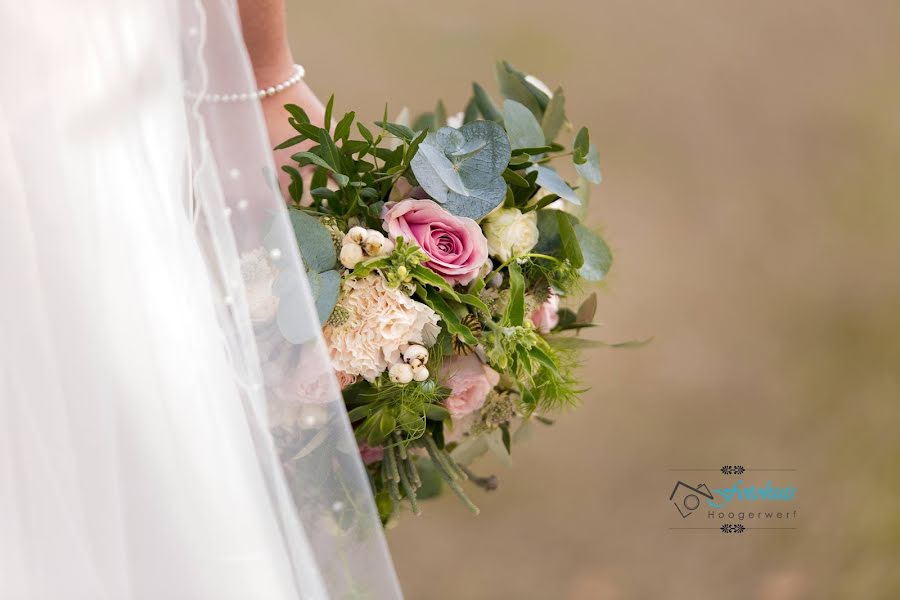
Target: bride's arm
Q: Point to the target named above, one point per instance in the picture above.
(265, 33)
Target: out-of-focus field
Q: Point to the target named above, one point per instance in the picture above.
(751, 155)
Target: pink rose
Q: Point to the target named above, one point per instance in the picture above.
(546, 316)
(370, 454)
(470, 381)
(455, 246)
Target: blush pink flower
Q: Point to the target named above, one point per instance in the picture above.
(546, 316)
(470, 381)
(345, 379)
(370, 454)
(456, 246)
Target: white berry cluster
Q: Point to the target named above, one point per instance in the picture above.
(412, 367)
(360, 243)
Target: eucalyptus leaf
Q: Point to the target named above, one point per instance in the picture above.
(424, 122)
(551, 181)
(469, 450)
(328, 292)
(512, 86)
(485, 105)
(554, 115)
(597, 255)
(548, 232)
(587, 310)
(590, 168)
(582, 145)
(320, 258)
(569, 244)
(440, 115)
(523, 129)
(292, 317)
(471, 112)
(495, 444)
(462, 168)
(432, 482)
(314, 240)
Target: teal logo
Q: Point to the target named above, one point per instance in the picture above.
(687, 498)
(751, 493)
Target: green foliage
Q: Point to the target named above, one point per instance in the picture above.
(363, 170)
(544, 376)
(554, 116)
(514, 86)
(462, 168)
(586, 251)
(504, 153)
(381, 408)
(597, 255)
(319, 259)
(522, 127)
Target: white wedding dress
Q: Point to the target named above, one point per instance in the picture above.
(169, 424)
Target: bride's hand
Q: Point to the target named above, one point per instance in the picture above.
(263, 23)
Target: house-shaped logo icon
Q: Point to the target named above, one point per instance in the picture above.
(687, 498)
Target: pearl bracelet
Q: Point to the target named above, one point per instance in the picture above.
(294, 79)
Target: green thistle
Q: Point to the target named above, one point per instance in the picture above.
(337, 236)
(339, 316)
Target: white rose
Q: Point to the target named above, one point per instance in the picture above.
(510, 233)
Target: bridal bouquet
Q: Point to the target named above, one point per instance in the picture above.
(443, 254)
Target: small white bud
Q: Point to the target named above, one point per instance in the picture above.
(387, 247)
(420, 373)
(356, 235)
(415, 355)
(351, 254)
(401, 373)
(373, 243)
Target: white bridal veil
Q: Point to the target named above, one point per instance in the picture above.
(169, 423)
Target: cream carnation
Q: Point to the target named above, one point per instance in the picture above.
(510, 232)
(258, 274)
(381, 322)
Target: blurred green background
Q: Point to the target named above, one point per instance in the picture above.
(751, 155)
